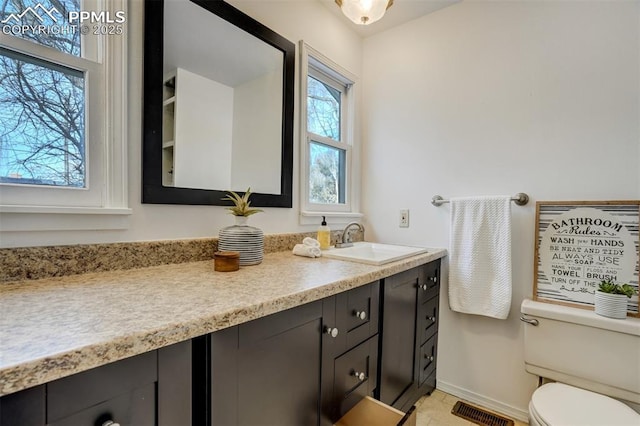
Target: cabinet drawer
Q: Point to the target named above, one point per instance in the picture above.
(429, 283)
(355, 376)
(428, 320)
(136, 408)
(357, 314)
(428, 358)
(75, 393)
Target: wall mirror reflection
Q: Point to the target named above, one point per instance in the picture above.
(218, 105)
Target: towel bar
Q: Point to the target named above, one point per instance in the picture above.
(520, 199)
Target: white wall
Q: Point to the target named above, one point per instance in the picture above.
(498, 98)
(294, 20)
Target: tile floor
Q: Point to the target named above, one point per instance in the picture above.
(435, 410)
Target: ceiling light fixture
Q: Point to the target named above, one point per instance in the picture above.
(364, 12)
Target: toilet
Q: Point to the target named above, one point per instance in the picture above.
(592, 361)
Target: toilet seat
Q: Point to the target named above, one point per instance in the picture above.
(557, 404)
(534, 417)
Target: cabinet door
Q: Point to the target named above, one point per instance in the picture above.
(175, 384)
(267, 371)
(398, 348)
(24, 408)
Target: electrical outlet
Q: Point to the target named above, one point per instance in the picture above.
(404, 218)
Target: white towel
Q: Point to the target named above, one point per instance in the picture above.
(307, 251)
(480, 256)
(312, 242)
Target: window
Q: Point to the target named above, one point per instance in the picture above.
(327, 161)
(62, 109)
(43, 122)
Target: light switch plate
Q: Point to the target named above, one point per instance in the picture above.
(404, 218)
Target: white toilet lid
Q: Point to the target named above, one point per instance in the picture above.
(560, 404)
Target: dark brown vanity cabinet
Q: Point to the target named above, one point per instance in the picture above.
(304, 366)
(150, 389)
(409, 327)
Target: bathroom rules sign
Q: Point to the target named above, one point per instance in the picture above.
(581, 243)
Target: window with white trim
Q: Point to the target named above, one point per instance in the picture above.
(328, 123)
(62, 109)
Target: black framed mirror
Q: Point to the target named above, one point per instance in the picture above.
(193, 151)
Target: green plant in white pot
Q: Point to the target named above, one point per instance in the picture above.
(242, 206)
(611, 299)
(246, 240)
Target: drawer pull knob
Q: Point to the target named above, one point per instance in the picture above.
(110, 423)
(434, 279)
(361, 314)
(424, 287)
(331, 331)
(432, 319)
(429, 357)
(359, 376)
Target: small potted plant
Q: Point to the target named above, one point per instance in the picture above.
(246, 240)
(242, 206)
(611, 299)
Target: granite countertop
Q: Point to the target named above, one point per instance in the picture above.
(51, 328)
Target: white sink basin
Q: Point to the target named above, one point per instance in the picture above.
(373, 253)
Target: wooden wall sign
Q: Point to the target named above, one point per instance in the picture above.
(581, 243)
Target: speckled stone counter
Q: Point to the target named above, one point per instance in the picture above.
(30, 263)
(55, 327)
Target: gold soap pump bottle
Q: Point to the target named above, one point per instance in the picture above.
(324, 235)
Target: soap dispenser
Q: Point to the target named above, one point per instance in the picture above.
(324, 235)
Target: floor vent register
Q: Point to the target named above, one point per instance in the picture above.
(479, 416)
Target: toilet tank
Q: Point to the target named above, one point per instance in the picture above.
(580, 348)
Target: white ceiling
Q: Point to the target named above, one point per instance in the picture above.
(400, 12)
(209, 46)
(196, 41)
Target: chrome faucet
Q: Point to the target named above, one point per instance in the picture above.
(346, 238)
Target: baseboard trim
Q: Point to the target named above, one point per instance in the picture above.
(492, 404)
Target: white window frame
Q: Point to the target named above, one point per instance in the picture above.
(321, 67)
(106, 193)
